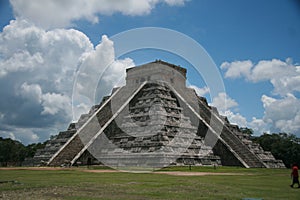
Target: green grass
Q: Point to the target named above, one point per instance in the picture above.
(77, 184)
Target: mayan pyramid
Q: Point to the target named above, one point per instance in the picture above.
(154, 121)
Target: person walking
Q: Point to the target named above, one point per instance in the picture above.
(295, 175)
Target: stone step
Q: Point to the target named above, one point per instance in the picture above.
(92, 126)
(229, 137)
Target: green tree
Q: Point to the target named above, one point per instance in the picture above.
(283, 146)
(246, 130)
(14, 152)
(11, 152)
(32, 148)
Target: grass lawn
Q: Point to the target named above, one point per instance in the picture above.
(77, 183)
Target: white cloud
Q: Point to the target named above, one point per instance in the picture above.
(227, 107)
(283, 75)
(33, 92)
(280, 115)
(1, 116)
(267, 101)
(200, 91)
(175, 2)
(258, 126)
(26, 136)
(224, 103)
(37, 70)
(20, 61)
(115, 73)
(53, 103)
(7, 135)
(100, 64)
(98, 68)
(37, 74)
(283, 114)
(29, 135)
(53, 55)
(61, 13)
(80, 108)
(236, 118)
(271, 69)
(237, 69)
(286, 84)
(38, 63)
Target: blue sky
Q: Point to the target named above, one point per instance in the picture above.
(254, 44)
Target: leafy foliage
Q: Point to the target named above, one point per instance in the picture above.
(13, 152)
(249, 131)
(283, 146)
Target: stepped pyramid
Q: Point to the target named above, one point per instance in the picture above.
(154, 121)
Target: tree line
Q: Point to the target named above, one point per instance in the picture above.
(13, 153)
(283, 146)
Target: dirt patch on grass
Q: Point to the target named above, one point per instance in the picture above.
(58, 169)
(173, 173)
(35, 168)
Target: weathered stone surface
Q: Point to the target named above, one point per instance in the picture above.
(156, 128)
(155, 121)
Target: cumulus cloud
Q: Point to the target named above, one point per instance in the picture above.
(33, 92)
(271, 69)
(50, 54)
(20, 61)
(237, 69)
(175, 2)
(97, 68)
(61, 13)
(283, 114)
(37, 70)
(283, 75)
(26, 136)
(228, 107)
(281, 109)
(38, 63)
(259, 126)
(53, 103)
(224, 103)
(200, 91)
(8, 135)
(100, 65)
(236, 118)
(287, 84)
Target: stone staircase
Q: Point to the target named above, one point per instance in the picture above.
(184, 129)
(211, 123)
(42, 156)
(76, 145)
(156, 128)
(242, 150)
(234, 144)
(265, 156)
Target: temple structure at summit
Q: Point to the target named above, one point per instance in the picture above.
(154, 121)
